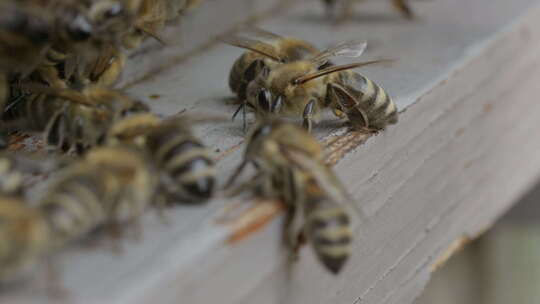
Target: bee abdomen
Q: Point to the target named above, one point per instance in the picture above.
(74, 207)
(190, 167)
(380, 108)
(329, 231)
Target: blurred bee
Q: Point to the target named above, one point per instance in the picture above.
(111, 184)
(345, 8)
(25, 34)
(99, 57)
(290, 78)
(289, 163)
(187, 168)
(71, 120)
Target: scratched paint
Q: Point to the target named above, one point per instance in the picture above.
(456, 246)
(252, 220)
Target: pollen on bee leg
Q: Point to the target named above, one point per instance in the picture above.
(338, 113)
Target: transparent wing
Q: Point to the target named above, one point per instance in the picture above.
(326, 180)
(336, 68)
(351, 49)
(256, 40)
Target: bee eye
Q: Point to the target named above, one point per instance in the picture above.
(264, 100)
(80, 29)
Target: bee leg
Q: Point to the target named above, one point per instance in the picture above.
(404, 8)
(244, 121)
(294, 231)
(308, 115)
(55, 133)
(242, 108)
(236, 173)
(255, 182)
(276, 105)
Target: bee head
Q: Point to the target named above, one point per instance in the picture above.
(79, 29)
(112, 18)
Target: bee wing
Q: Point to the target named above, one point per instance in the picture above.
(336, 68)
(261, 34)
(326, 180)
(258, 43)
(351, 48)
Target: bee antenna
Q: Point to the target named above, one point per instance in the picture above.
(333, 69)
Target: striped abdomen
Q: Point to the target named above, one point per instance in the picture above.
(31, 113)
(76, 204)
(327, 227)
(370, 98)
(189, 168)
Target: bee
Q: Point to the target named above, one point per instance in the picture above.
(345, 7)
(188, 170)
(71, 120)
(289, 164)
(288, 78)
(25, 34)
(98, 55)
(111, 184)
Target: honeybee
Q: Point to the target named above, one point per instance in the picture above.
(289, 77)
(345, 8)
(24, 36)
(289, 164)
(111, 184)
(98, 57)
(187, 168)
(71, 120)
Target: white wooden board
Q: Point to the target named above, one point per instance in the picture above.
(466, 83)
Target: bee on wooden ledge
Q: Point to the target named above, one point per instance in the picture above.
(290, 77)
(289, 166)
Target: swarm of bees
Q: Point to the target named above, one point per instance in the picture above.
(59, 62)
